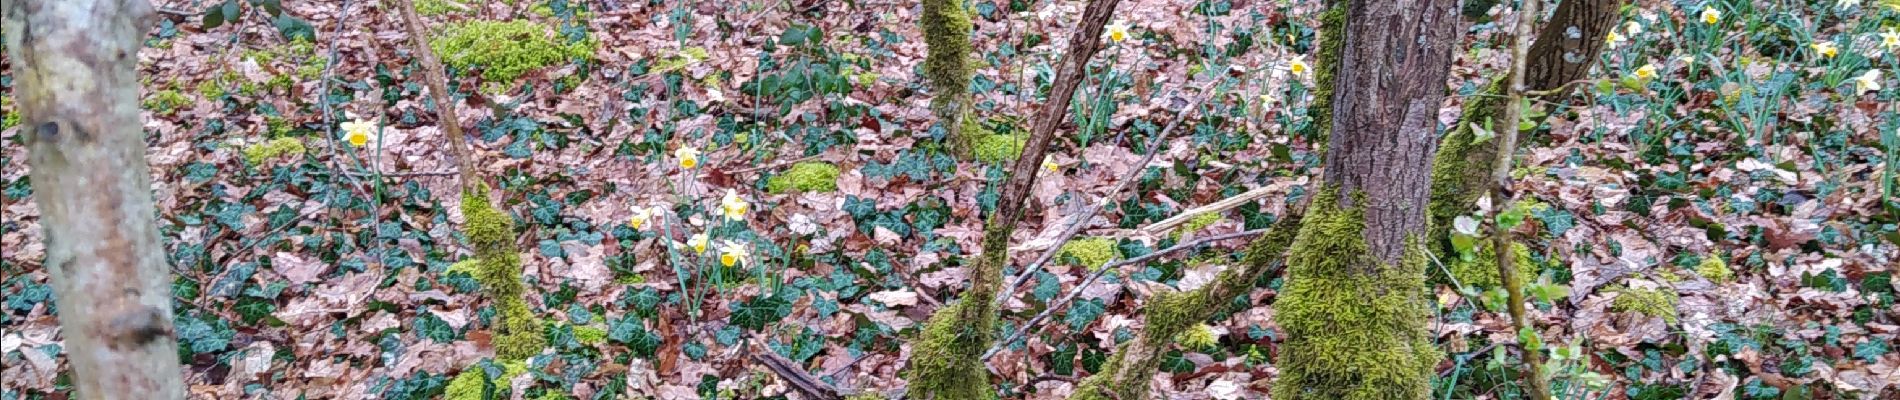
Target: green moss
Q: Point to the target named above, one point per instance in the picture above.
(805, 177)
(498, 267)
(256, 154)
(210, 90)
(468, 385)
(1714, 268)
(1481, 272)
(1355, 327)
(505, 50)
(1198, 337)
(1195, 224)
(947, 63)
(1090, 252)
(166, 101)
(430, 8)
(1461, 167)
(589, 335)
(1651, 302)
(946, 362)
(1332, 44)
(12, 117)
(997, 148)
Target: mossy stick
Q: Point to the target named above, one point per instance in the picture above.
(1117, 264)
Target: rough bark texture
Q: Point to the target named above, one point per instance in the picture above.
(76, 65)
(1354, 306)
(1568, 45)
(1392, 74)
(946, 361)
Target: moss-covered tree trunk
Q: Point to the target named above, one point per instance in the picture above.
(76, 62)
(946, 361)
(947, 66)
(1354, 307)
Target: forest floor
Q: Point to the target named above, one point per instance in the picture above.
(1713, 215)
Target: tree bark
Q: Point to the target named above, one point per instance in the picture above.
(78, 92)
(1354, 307)
(1567, 46)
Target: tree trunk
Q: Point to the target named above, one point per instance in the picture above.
(1354, 307)
(1459, 170)
(947, 65)
(946, 362)
(78, 92)
(1568, 44)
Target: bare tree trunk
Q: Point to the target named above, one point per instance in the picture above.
(1568, 44)
(946, 361)
(1354, 307)
(78, 91)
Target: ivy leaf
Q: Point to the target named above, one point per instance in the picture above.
(1085, 312)
(429, 326)
(760, 312)
(294, 28)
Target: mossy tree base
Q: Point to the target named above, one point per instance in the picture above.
(1355, 327)
(518, 332)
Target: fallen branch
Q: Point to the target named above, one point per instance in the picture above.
(796, 377)
(1216, 207)
(1077, 290)
(1076, 222)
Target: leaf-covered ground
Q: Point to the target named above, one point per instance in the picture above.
(1712, 215)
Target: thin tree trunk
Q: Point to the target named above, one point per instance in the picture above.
(1501, 171)
(946, 361)
(78, 91)
(947, 65)
(1354, 307)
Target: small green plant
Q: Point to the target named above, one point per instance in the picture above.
(805, 177)
(257, 154)
(505, 50)
(167, 101)
(431, 8)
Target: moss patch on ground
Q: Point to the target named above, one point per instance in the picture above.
(805, 177)
(504, 50)
(1659, 302)
(470, 385)
(1091, 252)
(997, 148)
(257, 154)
